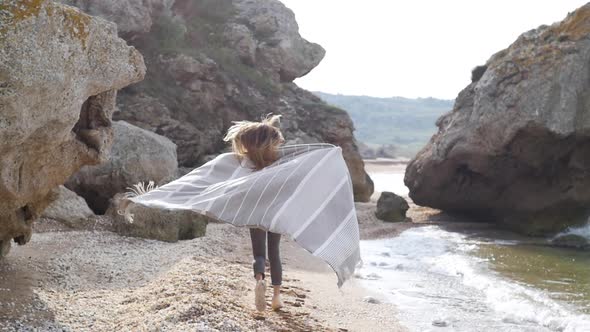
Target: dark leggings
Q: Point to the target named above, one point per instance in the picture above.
(259, 238)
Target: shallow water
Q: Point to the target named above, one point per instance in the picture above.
(478, 281)
(563, 274)
(477, 284)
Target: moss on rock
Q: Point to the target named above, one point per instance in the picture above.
(76, 23)
(12, 12)
(19, 10)
(576, 26)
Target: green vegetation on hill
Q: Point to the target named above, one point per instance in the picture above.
(404, 123)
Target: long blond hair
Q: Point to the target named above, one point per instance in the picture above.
(259, 141)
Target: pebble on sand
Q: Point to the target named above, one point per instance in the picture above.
(370, 299)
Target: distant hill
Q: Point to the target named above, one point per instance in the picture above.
(405, 123)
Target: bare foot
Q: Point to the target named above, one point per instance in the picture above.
(259, 291)
(276, 299)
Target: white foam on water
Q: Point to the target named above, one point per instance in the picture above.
(431, 275)
(583, 231)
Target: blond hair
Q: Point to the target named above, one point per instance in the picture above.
(259, 141)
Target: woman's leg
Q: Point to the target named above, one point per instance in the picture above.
(274, 257)
(258, 238)
(276, 269)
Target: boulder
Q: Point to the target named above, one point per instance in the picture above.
(158, 224)
(68, 208)
(59, 72)
(137, 155)
(515, 149)
(273, 31)
(391, 207)
(571, 241)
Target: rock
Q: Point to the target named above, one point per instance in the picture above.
(132, 16)
(439, 323)
(391, 207)
(571, 241)
(370, 299)
(184, 68)
(280, 50)
(68, 208)
(516, 147)
(158, 224)
(243, 41)
(55, 115)
(137, 155)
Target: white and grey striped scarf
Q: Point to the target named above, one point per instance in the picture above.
(306, 194)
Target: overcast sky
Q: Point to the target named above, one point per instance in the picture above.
(412, 48)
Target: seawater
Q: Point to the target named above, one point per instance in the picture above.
(393, 182)
(478, 280)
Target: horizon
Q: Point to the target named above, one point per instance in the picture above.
(376, 97)
(372, 57)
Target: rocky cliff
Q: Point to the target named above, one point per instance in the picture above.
(59, 72)
(516, 147)
(211, 62)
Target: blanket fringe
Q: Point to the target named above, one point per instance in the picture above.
(137, 189)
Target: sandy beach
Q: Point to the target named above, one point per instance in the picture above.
(95, 280)
(90, 279)
(385, 165)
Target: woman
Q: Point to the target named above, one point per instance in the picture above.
(257, 143)
(305, 192)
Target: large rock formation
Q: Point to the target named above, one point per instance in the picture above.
(137, 155)
(59, 72)
(215, 61)
(516, 146)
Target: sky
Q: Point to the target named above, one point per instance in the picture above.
(412, 48)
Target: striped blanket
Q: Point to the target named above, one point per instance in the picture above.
(306, 194)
